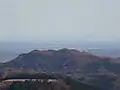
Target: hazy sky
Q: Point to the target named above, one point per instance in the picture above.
(86, 20)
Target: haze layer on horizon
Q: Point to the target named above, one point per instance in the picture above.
(84, 20)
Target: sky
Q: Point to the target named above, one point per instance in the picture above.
(69, 20)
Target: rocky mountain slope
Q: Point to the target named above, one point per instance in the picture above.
(64, 60)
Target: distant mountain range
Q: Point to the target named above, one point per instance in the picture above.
(65, 61)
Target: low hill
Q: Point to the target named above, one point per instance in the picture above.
(62, 83)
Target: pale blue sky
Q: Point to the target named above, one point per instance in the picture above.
(84, 20)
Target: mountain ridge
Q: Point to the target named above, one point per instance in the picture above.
(62, 60)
